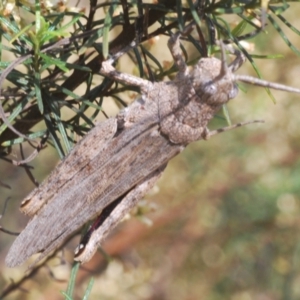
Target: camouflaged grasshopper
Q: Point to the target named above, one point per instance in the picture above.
(120, 160)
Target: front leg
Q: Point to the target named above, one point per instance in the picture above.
(182, 115)
(111, 217)
(239, 60)
(174, 46)
(108, 70)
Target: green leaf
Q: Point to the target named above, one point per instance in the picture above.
(72, 281)
(226, 114)
(49, 61)
(88, 289)
(38, 93)
(283, 35)
(34, 135)
(106, 28)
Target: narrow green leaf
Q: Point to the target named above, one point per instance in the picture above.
(21, 140)
(15, 113)
(49, 61)
(6, 23)
(67, 297)
(88, 289)
(139, 62)
(61, 128)
(232, 10)
(65, 27)
(269, 56)
(106, 28)
(283, 36)
(238, 29)
(179, 14)
(21, 32)
(288, 24)
(153, 58)
(53, 135)
(226, 114)
(278, 10)
(91, 40)
(38, 17)
(72, 281)
(38, 93)
(194, 12)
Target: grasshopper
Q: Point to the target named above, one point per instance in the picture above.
(120, 159)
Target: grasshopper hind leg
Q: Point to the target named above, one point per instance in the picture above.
(111, 216)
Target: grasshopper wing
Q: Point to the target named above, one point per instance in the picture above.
(122, 164)
(85, 150)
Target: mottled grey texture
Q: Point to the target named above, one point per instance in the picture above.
(123, 156)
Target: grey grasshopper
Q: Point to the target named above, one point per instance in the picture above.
(120, 159)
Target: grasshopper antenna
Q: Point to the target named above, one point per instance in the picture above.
(265, 83)
(236, 64)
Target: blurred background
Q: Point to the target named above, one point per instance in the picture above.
(223, 221)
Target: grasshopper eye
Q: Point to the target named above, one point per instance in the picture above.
(206, 90)
(209, 88)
